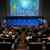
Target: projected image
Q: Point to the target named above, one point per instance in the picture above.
(25, 22)
(24, 7)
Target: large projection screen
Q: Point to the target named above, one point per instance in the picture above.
(24, 7)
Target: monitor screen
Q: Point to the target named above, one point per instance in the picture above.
(24, 7)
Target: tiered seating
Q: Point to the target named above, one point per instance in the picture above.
(8, 35)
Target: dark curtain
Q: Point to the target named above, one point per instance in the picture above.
(3, 7)
(46, 6)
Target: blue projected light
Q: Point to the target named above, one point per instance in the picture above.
(24, 7)
(25, 22)
(25, 3)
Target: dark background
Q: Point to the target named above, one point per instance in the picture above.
(45, 7)
(4, 7)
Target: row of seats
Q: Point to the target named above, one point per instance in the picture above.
(7, 34)
(23, 33)
(11, 32)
